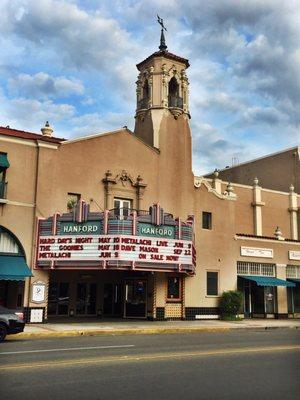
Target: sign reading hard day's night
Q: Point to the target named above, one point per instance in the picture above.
(152, 241)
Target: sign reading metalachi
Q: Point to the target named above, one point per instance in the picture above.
(115, 247)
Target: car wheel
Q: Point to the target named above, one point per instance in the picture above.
(3, 332)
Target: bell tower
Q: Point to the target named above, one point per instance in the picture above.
(162, 92)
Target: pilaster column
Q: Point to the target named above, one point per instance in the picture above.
(140, 186)
(281, 290)
(164, 87)
(150, 83)
(217, 183)
(108, 182)
(293, 209)
(257, 204)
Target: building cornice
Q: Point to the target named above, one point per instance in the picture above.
(266, 239)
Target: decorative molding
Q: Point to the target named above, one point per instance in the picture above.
(24, 142)
(123, 177)
(256, 252)
(29, 142)
(51, 146)
(17, 203)
(198, 181)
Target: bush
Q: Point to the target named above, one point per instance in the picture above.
(230, 304)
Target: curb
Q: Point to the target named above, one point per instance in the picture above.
(140, 331)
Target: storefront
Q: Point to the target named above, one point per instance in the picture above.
(13, 270)
(293, 293)
(260, 291)
(107, 264)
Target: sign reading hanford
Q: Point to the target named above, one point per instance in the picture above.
(141, 240)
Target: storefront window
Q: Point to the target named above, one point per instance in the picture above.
(174, 288)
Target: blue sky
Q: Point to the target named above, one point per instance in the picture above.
(73, 63)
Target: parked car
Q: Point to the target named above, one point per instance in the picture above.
(11, 322)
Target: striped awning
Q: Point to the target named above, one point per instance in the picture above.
(268, 281)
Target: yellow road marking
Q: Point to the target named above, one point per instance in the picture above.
(146, 357)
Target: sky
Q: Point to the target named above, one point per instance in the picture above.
(73, 63)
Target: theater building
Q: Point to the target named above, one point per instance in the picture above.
(117, 225)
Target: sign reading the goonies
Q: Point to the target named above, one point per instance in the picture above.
(108, 241)
(111, 247)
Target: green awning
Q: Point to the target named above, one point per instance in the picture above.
(4, 161)
(295, 280)
(268, 281)
(13, 268)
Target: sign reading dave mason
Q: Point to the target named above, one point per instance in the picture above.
(115, 247)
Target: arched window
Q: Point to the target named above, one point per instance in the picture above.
(146, 90)
(174, 99)
(9, 244)
(144, 101)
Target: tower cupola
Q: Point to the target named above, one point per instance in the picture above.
(161, 87)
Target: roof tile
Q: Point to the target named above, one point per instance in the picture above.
(28, 135)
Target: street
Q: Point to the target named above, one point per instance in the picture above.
(248, 364)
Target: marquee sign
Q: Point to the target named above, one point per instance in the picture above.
(151, 241)
(112, 247)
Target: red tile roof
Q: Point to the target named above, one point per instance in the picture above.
(28, 135)
(165, 54)
(266, 237)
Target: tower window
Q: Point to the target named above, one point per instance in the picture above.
(146, 90)
(144, 101)
(174, 99)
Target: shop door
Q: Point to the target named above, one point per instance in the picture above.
(86, 298)
(270, 299)
(135, 299)
(257, 300)
(112, 300)
(247, 300)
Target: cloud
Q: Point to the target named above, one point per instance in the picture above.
(31, 114)
(42, 85)
(244, 74)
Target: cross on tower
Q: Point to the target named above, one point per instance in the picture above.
(163, 46)
(161, 22)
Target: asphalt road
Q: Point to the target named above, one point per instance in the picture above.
(234, 365)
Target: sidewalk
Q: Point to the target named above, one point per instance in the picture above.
(93, 327)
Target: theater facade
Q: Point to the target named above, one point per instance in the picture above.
(116, 224)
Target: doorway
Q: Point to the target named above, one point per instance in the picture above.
(112, 299)
(86, 298)
(135, 305)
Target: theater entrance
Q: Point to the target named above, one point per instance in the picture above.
(135, 305)
(117, 294)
